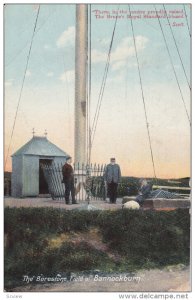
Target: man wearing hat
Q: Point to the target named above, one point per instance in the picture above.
(68, 180)
(112, 177)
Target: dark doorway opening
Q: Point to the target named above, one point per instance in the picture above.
(43, 186)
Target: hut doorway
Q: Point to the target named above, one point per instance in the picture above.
(43, 186)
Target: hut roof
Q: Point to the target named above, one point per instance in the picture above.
(40, 146)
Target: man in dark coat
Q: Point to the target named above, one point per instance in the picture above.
(112, 176)
(68, 179)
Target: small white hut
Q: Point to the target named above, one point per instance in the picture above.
(27, 175)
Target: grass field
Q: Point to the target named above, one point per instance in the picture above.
(52, 241)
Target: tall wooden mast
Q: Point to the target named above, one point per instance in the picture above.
(81, 51)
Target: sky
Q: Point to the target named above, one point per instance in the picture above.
(47, 100)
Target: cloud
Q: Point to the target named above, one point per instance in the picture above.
(118, 65)
(122, 52)
(98, 56)
(50, 74)
(68, 76)
(66, 38)
(28, 73)
(117, 78)
(141, 42)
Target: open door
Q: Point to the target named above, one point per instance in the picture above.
(43, 186)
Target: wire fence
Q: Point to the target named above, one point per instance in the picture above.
(88, 181)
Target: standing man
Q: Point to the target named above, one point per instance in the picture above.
(112, 177)
(68, 180)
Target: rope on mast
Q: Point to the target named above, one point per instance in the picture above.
(22, 86)
(101, 93)
(173, 66)
(143, 98)
(177, 48)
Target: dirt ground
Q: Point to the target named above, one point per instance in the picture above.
(48, 202)
(172, 279)
(160, 204)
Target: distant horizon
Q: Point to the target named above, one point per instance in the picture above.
(103, 163)
(159, 178)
